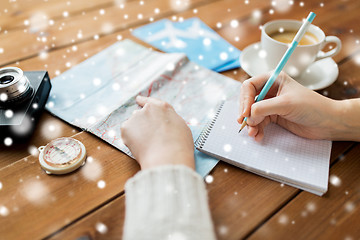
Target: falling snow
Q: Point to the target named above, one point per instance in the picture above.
(92, 170)
(101, 184)
(33, 150)
(227, 147)
(223, 230)
(283, 219)
(209, 179)
(4, 211)
(8, 141)
(101, 228)
(311, 207)
(234, 23)
(35, 191)
(335, 180)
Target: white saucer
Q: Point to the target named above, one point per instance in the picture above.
(318, 75)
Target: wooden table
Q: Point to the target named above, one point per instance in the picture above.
(57, 34)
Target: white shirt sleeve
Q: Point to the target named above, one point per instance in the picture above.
(167, 202)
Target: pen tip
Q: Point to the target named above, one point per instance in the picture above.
(242, 125)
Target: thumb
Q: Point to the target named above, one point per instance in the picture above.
(271, 106)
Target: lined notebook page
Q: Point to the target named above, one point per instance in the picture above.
(281, 155)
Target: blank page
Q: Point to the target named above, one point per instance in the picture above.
(281, 155)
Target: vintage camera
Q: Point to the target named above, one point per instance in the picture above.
(22, 99)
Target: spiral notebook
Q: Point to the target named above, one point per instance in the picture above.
(281, 155)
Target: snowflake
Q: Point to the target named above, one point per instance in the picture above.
(35, 191)
(282, 5)
(283, 219)
(4, 211)
(227, 147)
(256, 14)
(116, 87)
(193, 122)
(311, 207)
(223, 230)
(101, 228)
(349, 206)
(335, 180)
(262, 54)
(43, 55)
(209, 179)
(357, 60)
(101, 184)
(79, 35)
(223, 56)
(97, 81)
(179, 5)
(91, 120)
(92, 170)
(9, 113)
(234, 23)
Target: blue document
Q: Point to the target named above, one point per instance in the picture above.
(199, 42)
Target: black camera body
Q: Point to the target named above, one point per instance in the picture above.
(22, 99)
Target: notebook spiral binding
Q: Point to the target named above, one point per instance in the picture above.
(200, 141)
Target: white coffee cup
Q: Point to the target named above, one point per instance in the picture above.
(303, 55)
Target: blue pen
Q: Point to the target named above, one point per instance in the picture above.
(283, 60)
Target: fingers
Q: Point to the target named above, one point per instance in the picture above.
(247, 96)
(249, 89)
(257, 131)
(143, 100)
(280, 106)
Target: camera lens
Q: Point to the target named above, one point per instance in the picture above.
(15, 86)
(6, 79)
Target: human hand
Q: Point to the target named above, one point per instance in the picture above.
(156, 135)
(290, 105)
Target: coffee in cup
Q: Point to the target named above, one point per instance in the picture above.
(277, 35)
(288, 35)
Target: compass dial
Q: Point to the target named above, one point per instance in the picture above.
(62, 152)
(62, 155)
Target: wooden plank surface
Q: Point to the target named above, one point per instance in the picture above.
(82, 27)
(39, 204)
(15, 14)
